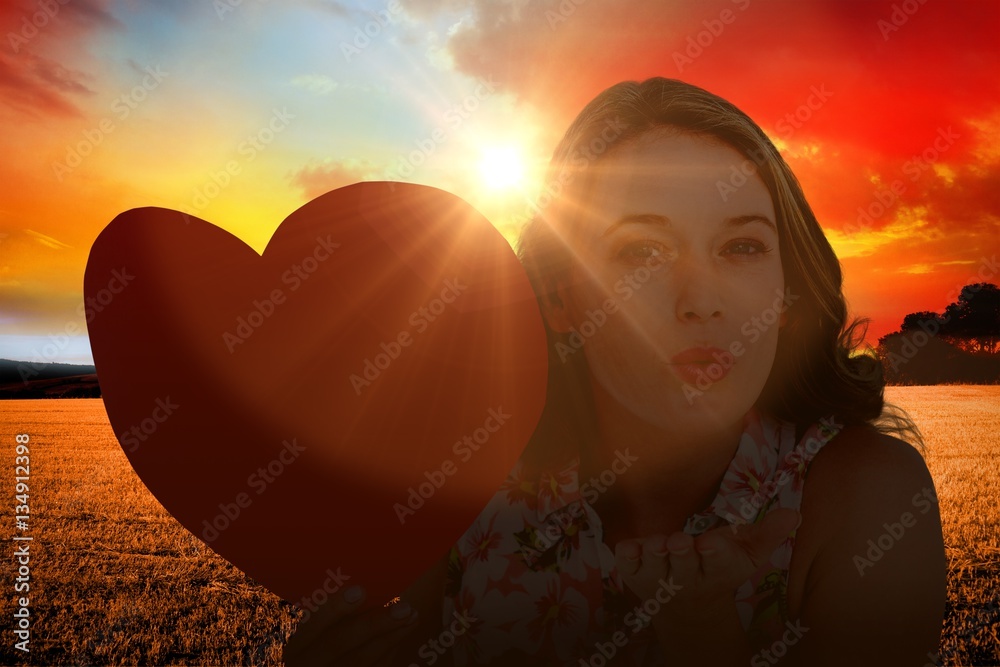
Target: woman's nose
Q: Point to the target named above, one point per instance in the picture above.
(698, 294)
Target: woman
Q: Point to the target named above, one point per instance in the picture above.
(701, 364)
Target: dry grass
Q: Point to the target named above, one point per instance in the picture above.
(961, 428)
(116, 580)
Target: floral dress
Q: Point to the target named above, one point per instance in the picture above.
(536, 577)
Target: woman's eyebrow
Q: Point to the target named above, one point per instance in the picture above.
(741, 220)
(638, 219)
(664, 221)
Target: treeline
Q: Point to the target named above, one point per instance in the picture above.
(959, 345)
(26, 379)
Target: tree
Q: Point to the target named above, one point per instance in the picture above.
(960, 344)
(972, 322)
(921, 321)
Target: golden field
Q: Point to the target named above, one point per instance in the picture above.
(116, 580)
(961, 429)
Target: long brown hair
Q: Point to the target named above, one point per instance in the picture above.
(820, 368)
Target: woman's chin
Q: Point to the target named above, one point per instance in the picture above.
(722, 403)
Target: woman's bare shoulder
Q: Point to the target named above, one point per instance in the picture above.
(869, 554)
(862, 472)
(857, 481)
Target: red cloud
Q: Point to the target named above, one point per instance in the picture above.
(894, 75)
(935, 66)
(899, 76)
(34, 81)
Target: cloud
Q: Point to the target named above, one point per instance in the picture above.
(90, 14)
(321, 178)
(428, 9)
(766, 57)
(905, 226)
(893, 91)
(35, 86)
(315, 83)
(745, 50)
(932, 267)
(47, 241)
(856, 189)
(331, 7)
(34, 81)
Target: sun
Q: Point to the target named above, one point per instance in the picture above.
(502, 167)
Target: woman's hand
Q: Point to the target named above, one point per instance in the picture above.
(342, 633)
(704, 568)
(702, 573)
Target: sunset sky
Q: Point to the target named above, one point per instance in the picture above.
(240, 111)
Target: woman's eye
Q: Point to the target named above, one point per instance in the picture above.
(746, 247)
(641, 251)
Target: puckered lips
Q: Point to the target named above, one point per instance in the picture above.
(701, 364)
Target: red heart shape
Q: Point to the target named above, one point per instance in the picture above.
(237, 382)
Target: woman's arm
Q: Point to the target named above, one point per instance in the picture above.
(875, 589)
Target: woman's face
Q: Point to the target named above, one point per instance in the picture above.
(677, 293)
